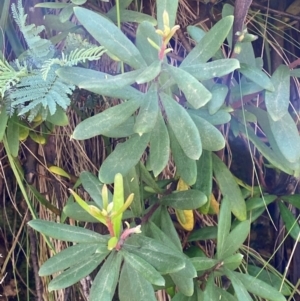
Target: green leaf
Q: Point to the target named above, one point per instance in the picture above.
(203, 263)
(185, 167)
(66, 232)
(159, 146)
(110, 36)
(93, 187)
(210, 43)
(257, 76)
(238, 285)
(12, 135)
(162, 257)
(105, 283)
(235, 239)
(66, 12)
(224, 295)
(258, 287)
(221, 117)
(212, 69)
(255, 202)
(123, 130)
(68, 257)
(150, 73)
(204, 234)
(78, 2)
(287, 137)
(229, 188)
(146, 119)
(130, 16)
(196, 33)
(77, 76)
(170, 6)
(123, 158)
(145, 269)
(105, 121)
(293, 199)
(76, 212)
(233, 262)
(76, 272)
(184, 284)
(211, 137)
(144, 31)
(210, 292)
(277, 102)
(134, 287)
(219, 93)
(204, 178)
(59, 118)
(224, 224)
(52, 5)
(185, 200)
(183, 127)
(196, 94)
(3, 121)
(290, 222)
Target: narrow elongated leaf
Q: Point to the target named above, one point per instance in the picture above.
(224, 295)
(211, 137)
(105, 283)
(67, 258)
(221, 117)
(160, 256)
(145, 269)
(185, 167)
(184, 284)
(76, 272)
(212, 69)
(203, 263)
(204, 178)
(255, 202)
(110, 36)
(185, 200)
(77, 76)
(210, 43)
(257, 76)
(183, 127)
(235, 239)
(219, 93)
(238, 285)
(224, 224)
(229, 188)
(293, 199)
(133, 286)
(105, 121)
(93, 187)
(210, 292)
(150, 73)
(287, 137)
(123, 130)
(146, 119)
(127, 15)
(233, 262)
(196, 94)
(204, 234)
(123, 158)
(258, 287)
(76, 212)
(277, 102)
(66, 232)
(146, 30)
(159, 146)
(12, 135)
(196, 33)
(290, 222)
(170, 6)
(3, 121)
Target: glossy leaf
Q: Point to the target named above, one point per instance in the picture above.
(229, 188)
(287, 137)
(224, 295)
(209, 232)
(185, 200)
(277, 102)
(196, 33)
(255, 202)
(183, 127)
(170, 6)
(219, 93)
(3, 121)
(123, 158)
(224, 224)
(210, 292)
(105, 283)
(76, 272)
(105, 121)
(257, 76)
(233, 262)
(78, 2)
(51, 5)
(185, 167)
(290, 221)
(123, 130)
(196, 94)
(145, 269)
(258, 287)
(150, 73)
(159, 146)
(217, 68)
(204, 178)
(12, 135)
(203, 263)
(293, 199)
(110, 36)
(221, 117)
(76, 212)
(58, 118)
(184, 284)
(210, 43)
(133, 286)
(211, 137)
(147, 116)
(59, 171)
(66, 232)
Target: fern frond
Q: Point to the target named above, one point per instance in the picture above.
(40, 48)
(47, 66)
(34, 95)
